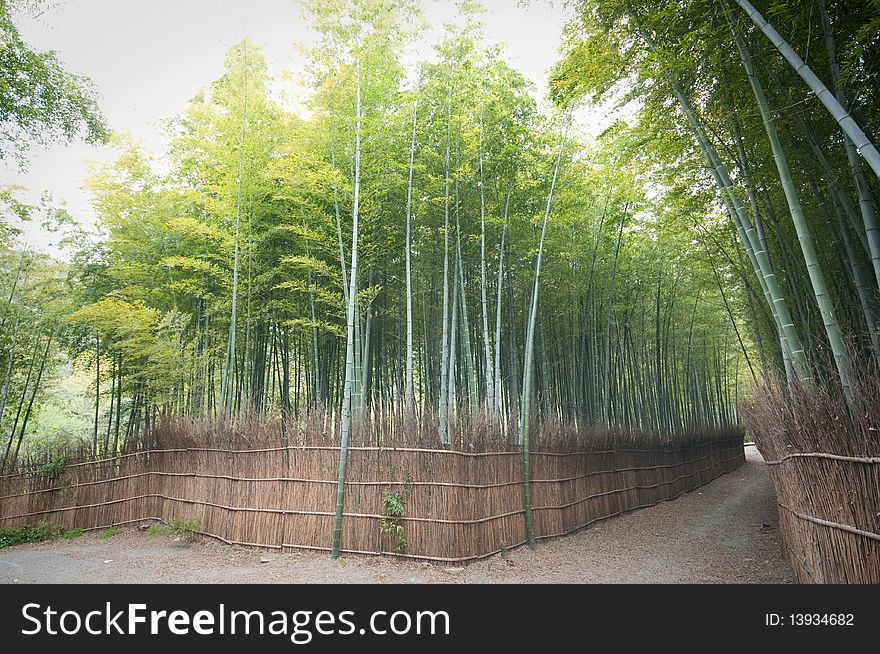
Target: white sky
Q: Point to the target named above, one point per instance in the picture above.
(147, 59)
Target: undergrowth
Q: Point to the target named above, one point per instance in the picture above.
(179, 526)
(38, 533)
(110, 532)
(394, 504)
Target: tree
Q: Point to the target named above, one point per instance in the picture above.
(525, 418)
(338, 269)
(847, 123)
(39, 100)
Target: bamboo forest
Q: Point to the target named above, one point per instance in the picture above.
(415, 250)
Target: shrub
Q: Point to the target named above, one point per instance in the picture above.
(395, 508)
(179, 526)
(38, 533)
(54, 468)
(184, 527)
(158, 529)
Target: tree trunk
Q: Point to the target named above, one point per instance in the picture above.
(228, 382)
(498, 300)
(349, 340)
(866, 207)
(814, 269)
(409, 391)
(487, 345)
(612, 298)
(841, 115)
(27, 414)
(10, 360)
(97, 392)
(792, 345)
(444, 337)
(24, 390)
(528, 376)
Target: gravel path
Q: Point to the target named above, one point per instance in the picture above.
(724, 532)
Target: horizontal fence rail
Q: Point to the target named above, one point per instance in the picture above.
(459, 506)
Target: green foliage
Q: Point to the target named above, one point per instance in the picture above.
(158, 529)
(12, 210)
(590, 69)
(389, 523)
(148, 299)
(394, 508)
(39, 100)
(144, 336)
(665, 57)
(38, 533)
(29, 534)
(394, 505)
(186, 528)
(54, 468)
(110, 532)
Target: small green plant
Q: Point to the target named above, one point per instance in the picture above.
(185, 528)
(35, 534)
(54, 468)
(110, 532)
(179, 526)
(158, 529)
(73, 533)
(395, 508)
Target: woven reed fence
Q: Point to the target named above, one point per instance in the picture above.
(459, 506)
(829, 516)
(824, 461)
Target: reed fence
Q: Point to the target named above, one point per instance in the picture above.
(823, 460)
(829, 515)
(458, 506)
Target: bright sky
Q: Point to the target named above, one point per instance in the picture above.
(147, 59)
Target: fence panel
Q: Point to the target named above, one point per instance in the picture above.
(458, 506)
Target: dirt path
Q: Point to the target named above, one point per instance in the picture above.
(724, 532)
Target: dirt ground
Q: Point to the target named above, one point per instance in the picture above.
(724, 532)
